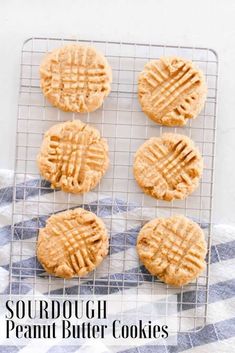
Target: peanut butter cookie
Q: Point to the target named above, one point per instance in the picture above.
(75, 78)
(171, 90)
(73, 157)
(172, 249)
(168, 167)
(73, 243)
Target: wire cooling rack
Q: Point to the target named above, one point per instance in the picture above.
(118, 200)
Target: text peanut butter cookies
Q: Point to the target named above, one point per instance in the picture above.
(168, 167)
(73, 243)
(172, 249)
(75, 78)
(73, 157)
(171, 90)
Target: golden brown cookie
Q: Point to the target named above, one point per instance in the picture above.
(168, 167)
(75, 78)
(171, 90)
(73, 157)
(172, 249)
(73, 243)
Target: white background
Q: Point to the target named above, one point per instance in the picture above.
(207, 23)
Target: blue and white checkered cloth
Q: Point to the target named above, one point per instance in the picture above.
(219, 333)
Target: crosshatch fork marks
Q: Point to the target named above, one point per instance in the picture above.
(73, 243)
(75, 78)
(73, 156)
(168, 167)
(173, 249)
(171, 90)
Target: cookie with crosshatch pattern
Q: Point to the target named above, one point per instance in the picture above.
(172, 249)
(73, 156)
(171, 90)
(73, 243)
(75, 78)
(168, 167)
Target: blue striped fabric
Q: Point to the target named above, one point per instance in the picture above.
(219, 332)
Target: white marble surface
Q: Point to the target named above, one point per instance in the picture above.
(207, 23)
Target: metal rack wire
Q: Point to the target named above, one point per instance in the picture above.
(117, 199)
